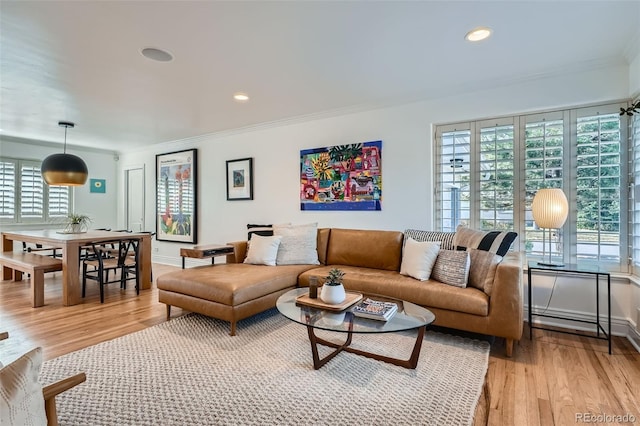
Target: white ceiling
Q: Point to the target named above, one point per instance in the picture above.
(80, 61)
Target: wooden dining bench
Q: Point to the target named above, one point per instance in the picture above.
(33, 264)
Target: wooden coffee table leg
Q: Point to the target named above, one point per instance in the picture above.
(410, 363)
(315, 341)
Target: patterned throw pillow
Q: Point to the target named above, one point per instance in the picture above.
(483, 269)
(21, 401)
(298, 245)
(263, 230)
(446, 238)
(493, 241)
(452, 267)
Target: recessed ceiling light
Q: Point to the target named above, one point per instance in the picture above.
(478, 34)
(156, 54)
(241, 97)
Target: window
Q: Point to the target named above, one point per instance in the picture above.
(454, 179)
(25, 197)
(487, 173)
(634, 159)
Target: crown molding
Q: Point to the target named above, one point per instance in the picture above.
(27, 141)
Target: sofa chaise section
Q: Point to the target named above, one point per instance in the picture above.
(230, 292)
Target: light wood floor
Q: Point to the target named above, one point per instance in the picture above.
(549, 381)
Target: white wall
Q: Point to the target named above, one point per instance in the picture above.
(634, 70)
(634, 78)
(102, 208)
(407, 166)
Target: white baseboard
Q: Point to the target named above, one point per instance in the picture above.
(619, 326)
(634, 336)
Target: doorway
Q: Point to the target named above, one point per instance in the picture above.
(134, 212)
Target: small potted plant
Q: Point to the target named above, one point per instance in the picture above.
(333, 290)
(77, 223)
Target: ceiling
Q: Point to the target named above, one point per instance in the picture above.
(80, 60)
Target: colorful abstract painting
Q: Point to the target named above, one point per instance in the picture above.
(342, 177)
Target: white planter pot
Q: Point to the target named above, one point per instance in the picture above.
(333, 294)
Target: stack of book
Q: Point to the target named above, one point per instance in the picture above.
(375, 309)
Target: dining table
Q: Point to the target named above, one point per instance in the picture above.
(70, 245)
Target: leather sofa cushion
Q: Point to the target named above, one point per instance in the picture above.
(389, 283)
(365, 248)
(232, 283)
(323, 242)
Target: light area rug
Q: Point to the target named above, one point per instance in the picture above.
(189, 371)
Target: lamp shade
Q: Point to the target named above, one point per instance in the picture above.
(550, 208)
(65, 170)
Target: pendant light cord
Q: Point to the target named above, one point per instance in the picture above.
(64, 150)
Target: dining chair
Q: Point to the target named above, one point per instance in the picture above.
(117, 259)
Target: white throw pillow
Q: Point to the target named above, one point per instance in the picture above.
(418, 258)
(21, 401)
(263, 250)
(298, 245)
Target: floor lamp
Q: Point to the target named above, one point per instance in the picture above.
(550, 209)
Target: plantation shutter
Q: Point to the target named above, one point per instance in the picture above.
(496, 176)
(453, 190)
(543, 164)
(58, 202)
(598, 187)
(7, 190)
(31, 192)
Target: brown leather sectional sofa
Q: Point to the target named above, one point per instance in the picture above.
(371, 260)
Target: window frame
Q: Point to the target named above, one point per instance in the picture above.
(634, 193)
(569, 177)
(47, 215)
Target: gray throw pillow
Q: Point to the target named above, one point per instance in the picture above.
(452, 267)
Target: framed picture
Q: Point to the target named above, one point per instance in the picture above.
(98, 185)
(240, 179)
(176, 215)
(342, 177)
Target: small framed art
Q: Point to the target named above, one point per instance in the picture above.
(240, 179)
(98, 185)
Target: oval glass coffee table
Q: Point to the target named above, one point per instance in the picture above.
(409, 317)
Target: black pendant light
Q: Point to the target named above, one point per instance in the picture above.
(64, 169)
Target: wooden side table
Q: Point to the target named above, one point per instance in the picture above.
(203, 252)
